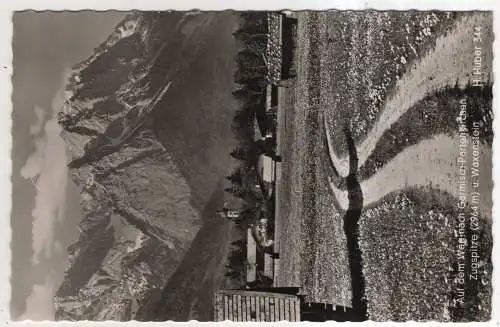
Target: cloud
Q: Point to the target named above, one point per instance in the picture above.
(46, 167)
(39, 304)
(38, 126)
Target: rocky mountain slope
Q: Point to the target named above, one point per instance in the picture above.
(147, 124)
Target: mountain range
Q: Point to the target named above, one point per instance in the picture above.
(147, 123)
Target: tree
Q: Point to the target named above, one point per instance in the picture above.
(254, 62)
(254, 42)
(239, 153)
(249, 215)
(237, 260)
(254, 51)
(247, 92)
(236, 177)
(252, 79)
(238, 191)
(254, 22)
(243, 120)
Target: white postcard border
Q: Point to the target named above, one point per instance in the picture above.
(6, 9)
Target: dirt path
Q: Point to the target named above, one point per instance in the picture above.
(432, 162)
(450, 62)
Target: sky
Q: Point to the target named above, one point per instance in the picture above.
(45, 202)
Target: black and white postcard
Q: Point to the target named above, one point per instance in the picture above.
(252, 166)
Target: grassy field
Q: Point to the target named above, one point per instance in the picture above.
(409, 242)
(394, 80)
(311, 246)
(363, 55)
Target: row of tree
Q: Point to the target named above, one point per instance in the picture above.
(252, 76)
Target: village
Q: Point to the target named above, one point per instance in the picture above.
(265, 297)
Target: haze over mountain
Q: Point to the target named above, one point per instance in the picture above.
(45, 45)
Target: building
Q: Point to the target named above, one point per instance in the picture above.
(288, 43)
(228, 213)
(273, 305)
(267, 169)
(251, 273)
(268, 166)
(269, 306)
(281, 45)
(261, 261)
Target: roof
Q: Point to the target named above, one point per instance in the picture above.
(243, 305)
(251, 257)
(268, 169)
